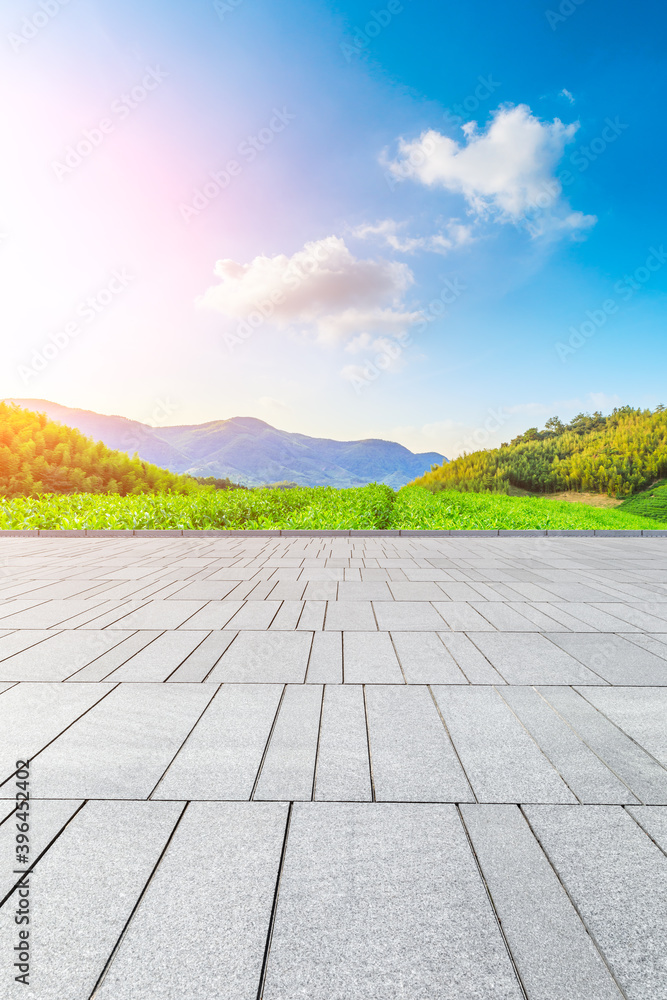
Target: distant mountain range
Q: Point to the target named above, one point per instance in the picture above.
(247, 450)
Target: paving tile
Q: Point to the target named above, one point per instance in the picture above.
(102, 666)
(407, 616)
(160, 658)
(58, 656)
(502, 762)
(639, 712)
(643, 775)
(288, 616)
(371, 591)
(159, 615)
(45, 615)
(325, 665)
(461, 617)
(370, 658)
(424, 659)
(238, 845)
(88, 882)
(222, 756)
(265, 657)
(47, 817)
(616, 878)
(32, 715)
(122, 747)
(204, 590)
(254, 615)
(471, 662)
(343, 768)
(384, 900)
(412, 758)
(614, 658)
(349, 616)
(583, 771)
(214, 615)
(200, 663)
(555, 956)
(530, 658)
(288, 769)
(652, 819)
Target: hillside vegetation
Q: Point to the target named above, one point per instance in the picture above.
(369, 507)
(619, 455)
(38, 455)
(651, 503)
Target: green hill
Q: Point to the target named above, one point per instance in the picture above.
(620, 455)
(38, 455)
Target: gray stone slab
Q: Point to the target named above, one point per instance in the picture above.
(502, 762)
(238, 846)
(288, 616)
(222, 756)
(652, 819)
(349, 616)
(83, 892)
(325, 665)
(383, 900)
(614, 658)
(46, 818)
(265, 657)
(343, 768)
(639, 712)
(204, 590)
(599, 619)
(583, 771)
(412, 758)
(31, 715)
(616, 877)
(643, 775)
(47, 614)
(159, 659)
(58, 657)
(530, 658)
(214, 615)
(461, 617)
(425, 659)
(159, 615)
(349, 590)
(288, 769)
(471, 662)
(122, 747)
(200, 663)
(555, 956)
(370, 658)
(503, 617)
(254, 615)
(407, 616)
(100, 668)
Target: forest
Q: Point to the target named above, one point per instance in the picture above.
(620, 455)
(38, 455)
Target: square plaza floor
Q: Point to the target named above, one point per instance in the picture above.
(316, 768)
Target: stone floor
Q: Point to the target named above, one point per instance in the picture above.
(330, 769)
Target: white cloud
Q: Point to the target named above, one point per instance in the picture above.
(322, 289)
(567, 95)
(388, 232)
(505, 171)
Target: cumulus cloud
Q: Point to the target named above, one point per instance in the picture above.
(388, 232)
(322, 289)
(506, 171)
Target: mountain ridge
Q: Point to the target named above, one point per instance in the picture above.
(246, 449)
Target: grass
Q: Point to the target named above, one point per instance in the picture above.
(652, 503)
(368, 507)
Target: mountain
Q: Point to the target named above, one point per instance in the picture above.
(619, 454)
(247, 450)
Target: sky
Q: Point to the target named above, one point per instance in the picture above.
(433, 223)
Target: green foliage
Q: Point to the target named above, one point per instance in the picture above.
(219, 484)
(619, 455)
(368, 507)
(651, 503)
(38, 456)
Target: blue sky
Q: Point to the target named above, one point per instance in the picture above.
(438, 224)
